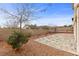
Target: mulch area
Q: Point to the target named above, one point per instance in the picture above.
(32, 48)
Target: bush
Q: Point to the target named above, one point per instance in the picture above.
(17, 39)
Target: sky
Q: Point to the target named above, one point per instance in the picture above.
(56, 14)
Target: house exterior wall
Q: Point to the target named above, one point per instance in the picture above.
(77, 29)
(76, 25)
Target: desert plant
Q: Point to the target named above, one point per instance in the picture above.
(17, 39)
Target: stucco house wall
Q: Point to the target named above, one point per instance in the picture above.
(76, 25)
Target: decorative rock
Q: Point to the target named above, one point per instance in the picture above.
(60, 41)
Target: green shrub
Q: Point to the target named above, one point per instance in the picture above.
(17, 39)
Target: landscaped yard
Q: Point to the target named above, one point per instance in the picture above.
(38, 29)
(50, 44)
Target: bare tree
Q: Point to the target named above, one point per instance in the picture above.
(22, 14)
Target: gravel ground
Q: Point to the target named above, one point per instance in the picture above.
(33, 48)
(60, 41)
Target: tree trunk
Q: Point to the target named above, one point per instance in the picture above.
(21, 23)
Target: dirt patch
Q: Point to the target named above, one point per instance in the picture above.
(32, 48)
